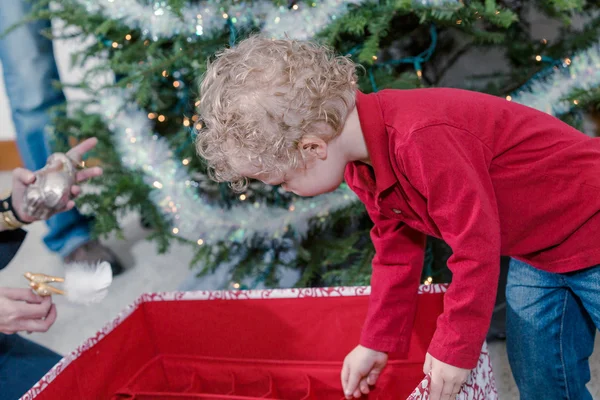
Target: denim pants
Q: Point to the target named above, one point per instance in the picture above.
(22, 364)
(30, 70)
(551, 322)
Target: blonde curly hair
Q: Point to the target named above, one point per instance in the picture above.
(259, 98)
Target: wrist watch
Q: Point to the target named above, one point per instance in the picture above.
(8, 215)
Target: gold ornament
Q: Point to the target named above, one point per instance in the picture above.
(39, 283)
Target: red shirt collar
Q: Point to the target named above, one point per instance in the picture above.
(377, 140)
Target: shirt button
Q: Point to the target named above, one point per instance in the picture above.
(397, 211)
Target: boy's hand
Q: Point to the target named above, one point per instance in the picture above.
(362, 367)
(446, 380)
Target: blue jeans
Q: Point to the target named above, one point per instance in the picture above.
(22, 364)
(29, 72)
(551, 323)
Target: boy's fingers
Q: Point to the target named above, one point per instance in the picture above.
(364, 386)
(447, 391)
(457, 390)
(344, 376)
(436, 387)
(427, 364)
(373, 376)
(352, 385)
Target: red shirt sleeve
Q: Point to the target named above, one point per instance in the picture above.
(397, 265)
(450, 168)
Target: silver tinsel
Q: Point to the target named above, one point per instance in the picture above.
(546, 92)
(203, 19)
(191, 216)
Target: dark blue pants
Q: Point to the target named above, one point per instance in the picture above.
(22, 364)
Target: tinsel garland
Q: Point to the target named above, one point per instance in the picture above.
(193, 218)
(547, 90)
(202, 19)
(177, 195)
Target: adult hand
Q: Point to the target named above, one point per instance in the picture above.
(23, 310)
(23, 178)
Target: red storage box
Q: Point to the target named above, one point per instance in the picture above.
(259, 344)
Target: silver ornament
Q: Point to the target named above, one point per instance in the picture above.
(51, 191)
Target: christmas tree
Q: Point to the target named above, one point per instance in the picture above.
(146, 123)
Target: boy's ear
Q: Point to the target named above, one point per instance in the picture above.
(311, 147)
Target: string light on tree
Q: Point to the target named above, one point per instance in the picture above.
(200, 19)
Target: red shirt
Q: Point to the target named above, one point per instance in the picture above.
(489, 177)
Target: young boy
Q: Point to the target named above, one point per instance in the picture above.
(488, 176)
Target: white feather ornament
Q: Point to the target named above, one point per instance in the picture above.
(83, 283)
